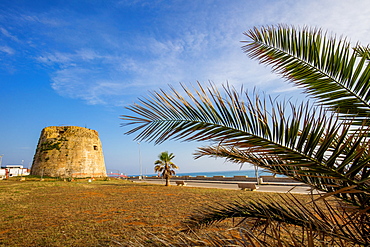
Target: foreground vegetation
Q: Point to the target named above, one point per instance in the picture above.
(101, 213)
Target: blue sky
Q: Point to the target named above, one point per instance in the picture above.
(79, 62)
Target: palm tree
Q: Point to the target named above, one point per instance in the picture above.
(165, 165)
(325, 145)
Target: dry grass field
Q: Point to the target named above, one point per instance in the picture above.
(101, 213)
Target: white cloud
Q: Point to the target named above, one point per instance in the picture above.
(47, 20)
(112, 66)
(8, 34)
(285, 89)
(7, 49)
(348, 18)
(56, 58)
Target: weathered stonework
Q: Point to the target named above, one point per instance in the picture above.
(69, 151)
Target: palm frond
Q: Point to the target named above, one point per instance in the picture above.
(258, 214)
(327, 68)
(309, 144)
(331, 179)
(363, 51)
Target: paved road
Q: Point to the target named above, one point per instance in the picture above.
(279, 188)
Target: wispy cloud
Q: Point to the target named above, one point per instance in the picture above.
(59, 58)
(102, 63)
(340, 17)
(7, 34)
(47, 19)
(7, 49)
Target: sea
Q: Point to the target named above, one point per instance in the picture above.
(249, 173)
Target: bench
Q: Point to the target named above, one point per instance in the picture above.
(245, 186)
(180, 183)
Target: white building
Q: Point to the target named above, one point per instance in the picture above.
(3, 173)
(13, 171)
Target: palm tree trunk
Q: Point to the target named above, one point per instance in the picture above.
(167, 168)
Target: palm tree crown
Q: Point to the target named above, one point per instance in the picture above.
(165, 166)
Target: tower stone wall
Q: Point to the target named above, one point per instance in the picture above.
(69, 151)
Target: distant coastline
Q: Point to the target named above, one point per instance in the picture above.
(249, 173)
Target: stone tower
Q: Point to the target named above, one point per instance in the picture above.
(69, 151)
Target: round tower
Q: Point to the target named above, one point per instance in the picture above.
(69, 151)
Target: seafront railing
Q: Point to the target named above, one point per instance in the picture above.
(261, 179)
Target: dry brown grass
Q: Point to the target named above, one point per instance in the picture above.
(101, 213)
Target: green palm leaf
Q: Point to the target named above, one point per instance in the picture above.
(363, 51)
(319, 176)
(329, 70)
(309, 146)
